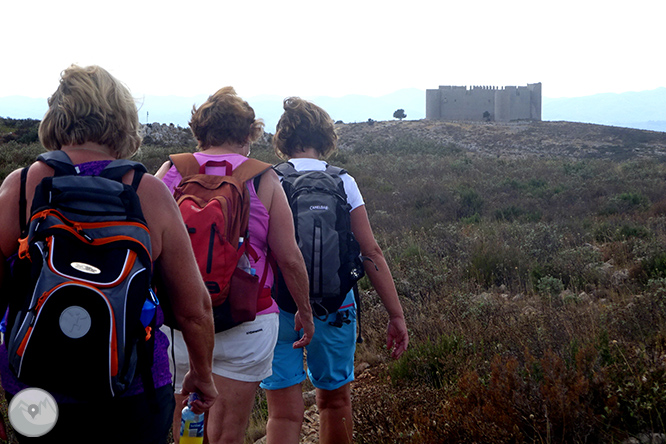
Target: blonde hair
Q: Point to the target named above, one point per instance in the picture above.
(304, 125)
(225, 117)
(90, 105)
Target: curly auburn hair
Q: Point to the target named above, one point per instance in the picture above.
(304, 125)
(225, 117)
(90, 105)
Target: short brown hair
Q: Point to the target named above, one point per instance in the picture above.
(304, 125)
(90, 105)
(225, 117)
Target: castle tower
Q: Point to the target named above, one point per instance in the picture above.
(480, 103)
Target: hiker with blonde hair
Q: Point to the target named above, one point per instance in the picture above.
(92, 118)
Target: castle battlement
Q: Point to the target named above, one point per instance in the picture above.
(484, 103)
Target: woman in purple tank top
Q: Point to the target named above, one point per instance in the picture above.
(93, 118)
(224, 127)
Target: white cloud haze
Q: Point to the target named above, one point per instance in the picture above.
(335, 48)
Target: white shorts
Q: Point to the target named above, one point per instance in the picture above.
(243, 353)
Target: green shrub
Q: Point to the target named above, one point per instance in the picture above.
(470, 202)
(14, 155)
(433, 363)
(653, 267)
(625, 203)
(492, 264)
(549, 286)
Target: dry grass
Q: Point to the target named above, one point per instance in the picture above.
(531, 263)
(534, 291)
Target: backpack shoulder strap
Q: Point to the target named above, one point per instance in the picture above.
(285, 169)
(118, 168)
(60, 162)
(250, 169)
(336, 171)
(185, 163)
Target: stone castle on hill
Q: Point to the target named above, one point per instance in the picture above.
(484, 103)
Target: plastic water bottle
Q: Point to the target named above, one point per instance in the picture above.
(191, 424)
(149, 309)
(244, 261)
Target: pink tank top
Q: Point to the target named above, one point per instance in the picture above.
(259, 217)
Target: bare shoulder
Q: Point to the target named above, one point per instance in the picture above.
(10, 183)
(160, 210)
(9, 191)
(9, 216)
(271, 176)
(268, 186)
(155, 196)
(152, 184)
(9, 196)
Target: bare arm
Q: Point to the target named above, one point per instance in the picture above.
(190, 300)
(163, 169)
(381, 278)
(9, 234)
(282, 242)
(9, 201)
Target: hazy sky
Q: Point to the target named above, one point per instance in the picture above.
(334, 48)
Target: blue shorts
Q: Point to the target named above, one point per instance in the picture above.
(330, 354)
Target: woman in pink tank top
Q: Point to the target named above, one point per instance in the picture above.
(224, 127)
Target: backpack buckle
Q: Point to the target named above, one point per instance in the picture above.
(341, 318)
(24, 248)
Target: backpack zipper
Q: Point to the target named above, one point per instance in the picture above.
(77, 229)
(81, 226)
(211, 243)
(317, 251)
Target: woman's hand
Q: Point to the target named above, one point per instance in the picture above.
(307, 324)
(397, 337)
(204, 387)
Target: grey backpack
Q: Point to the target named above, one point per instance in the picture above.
(323, 231)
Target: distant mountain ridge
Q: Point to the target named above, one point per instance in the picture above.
(642, 110)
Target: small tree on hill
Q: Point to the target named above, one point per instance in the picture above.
(399, 114)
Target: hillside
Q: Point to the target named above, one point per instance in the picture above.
(530, 261)
(516, 139)
(543, 139)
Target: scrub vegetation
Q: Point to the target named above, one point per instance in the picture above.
(532, 273)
